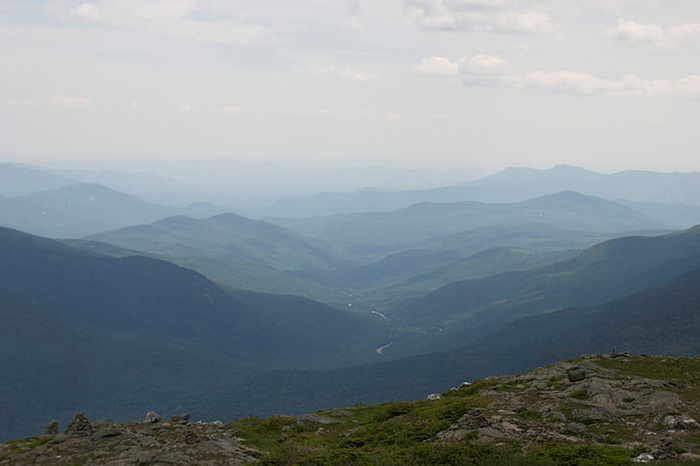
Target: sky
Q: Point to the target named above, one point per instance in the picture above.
(603, 84)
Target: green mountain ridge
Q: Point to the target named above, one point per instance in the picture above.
(609, 270)
(224, 236)
(658, 320)
(149, 328)
(425, 221)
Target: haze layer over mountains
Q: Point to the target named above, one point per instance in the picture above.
(121, 293)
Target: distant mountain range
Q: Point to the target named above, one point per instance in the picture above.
(76, 210)
(18, 181)
(508, 186)
(423, 222)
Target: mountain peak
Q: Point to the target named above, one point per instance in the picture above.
(564, 168)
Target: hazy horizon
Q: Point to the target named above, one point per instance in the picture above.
(479, 84)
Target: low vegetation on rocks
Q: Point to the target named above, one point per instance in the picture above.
(595, 410)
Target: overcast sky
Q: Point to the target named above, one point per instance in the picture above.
(604, 84)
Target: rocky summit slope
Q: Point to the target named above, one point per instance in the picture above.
(593, 410)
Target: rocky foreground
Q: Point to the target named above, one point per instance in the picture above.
(613, 409)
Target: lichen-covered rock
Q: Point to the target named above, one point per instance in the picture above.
(576, 374)
(682, 421)
(152, 417)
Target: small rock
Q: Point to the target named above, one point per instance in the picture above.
(489, 434)
(433, 397)
(105, 433)
(102, 423)
(185, 418)
(473, 419)
(144, 458)
(315, 419)
(52, 428)
(576, 374)
(153, 417)
(60, 438)
(217, 423)
(576, 428)
(682, 421)
(643, 458)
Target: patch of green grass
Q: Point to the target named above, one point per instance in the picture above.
(693, 438)
(556, 382)
(613, 434)
(581, 394)
(23, 444)
(389, 433)
(654, 367)
(262, 432)
(583, 455)
(530, 415)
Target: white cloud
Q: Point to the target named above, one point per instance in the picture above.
(186, 108)
(134, 105)
(230, 110)
(497, 16)
(685, 35)
(652, 35)
(77, 101)
(571, 82)
(173, 18)
(444, 67)
(637, 33)
(436, 66)
(481, 63)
